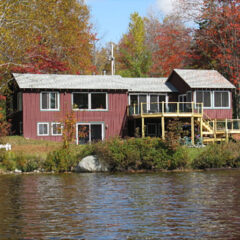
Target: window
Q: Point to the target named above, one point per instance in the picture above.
(204, 97)
(98, 100)
(152, 129)
(56, 129)
(80, 101)
(49, 101)
(151, 102)
(90, 132)
(156, 102)
(43, 129)
(90, 101)
(221, 99)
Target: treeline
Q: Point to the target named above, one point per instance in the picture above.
(152, 47)
(56, 36)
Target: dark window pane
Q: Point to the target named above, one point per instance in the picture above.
(45, 101)
(133, 99)
(96, 132)
(83, 134)
(162, 98)
(189, 97)
(152, 129)
(217, 99)
(98, 100)
(154, 103)
(199, 97)
(225, 99)
(143, 99)
(57, 129)
(43, 129)
(53, 100)
(80, 100)
(207, 99)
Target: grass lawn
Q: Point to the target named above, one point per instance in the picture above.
(29, 147)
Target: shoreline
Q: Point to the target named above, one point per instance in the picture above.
(2, 172)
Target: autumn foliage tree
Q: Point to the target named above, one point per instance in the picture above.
(217, 41)
(172, 41)
(46, 36)
(133, 58)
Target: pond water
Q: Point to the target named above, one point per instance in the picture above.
(187, 205)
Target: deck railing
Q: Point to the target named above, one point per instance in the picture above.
(177, 108)
(229, 125)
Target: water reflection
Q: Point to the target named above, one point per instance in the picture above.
(200, 205)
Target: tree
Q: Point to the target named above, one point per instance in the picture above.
(172, 41)
(37, 32)
(133, 58)
(217, 43)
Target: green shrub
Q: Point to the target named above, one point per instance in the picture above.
(8, 160)
(61, 160)
(180, 158)
(133, 153)
(218, 156)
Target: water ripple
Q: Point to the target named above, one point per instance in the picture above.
(201, 205)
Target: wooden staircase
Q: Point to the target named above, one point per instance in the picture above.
(210, 132)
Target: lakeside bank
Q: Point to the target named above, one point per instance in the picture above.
(120, 155)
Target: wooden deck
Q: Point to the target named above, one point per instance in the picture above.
(211, 130)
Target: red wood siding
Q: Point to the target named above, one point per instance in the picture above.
(114, 119)
(220, 113)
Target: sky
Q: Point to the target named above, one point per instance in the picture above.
(111, 17)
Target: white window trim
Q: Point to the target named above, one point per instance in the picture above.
(53, 134)
(229, 98)
(50, 109)
(213, 99)
(89, 124)
(40, 135)
(90, 102)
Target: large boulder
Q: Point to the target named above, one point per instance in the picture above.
(91, 164)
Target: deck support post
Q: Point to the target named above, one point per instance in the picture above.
(143, 128)
(214, 130)
(201, 128)
(226, 130)
(163, 127)
(192, 129)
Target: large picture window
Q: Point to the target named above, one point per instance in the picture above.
(151, 102)
(89, 101)
(90, 132)
(221, 99)
(49, 101)
(204, 97)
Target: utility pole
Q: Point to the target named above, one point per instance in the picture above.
(112, 59)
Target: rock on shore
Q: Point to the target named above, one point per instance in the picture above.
(91, 164)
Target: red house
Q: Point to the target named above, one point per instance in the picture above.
(108, 106)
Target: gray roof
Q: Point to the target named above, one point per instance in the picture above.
(61, 81)
(203, 78)
(149, 85)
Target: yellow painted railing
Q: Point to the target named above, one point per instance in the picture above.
(177, 108)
